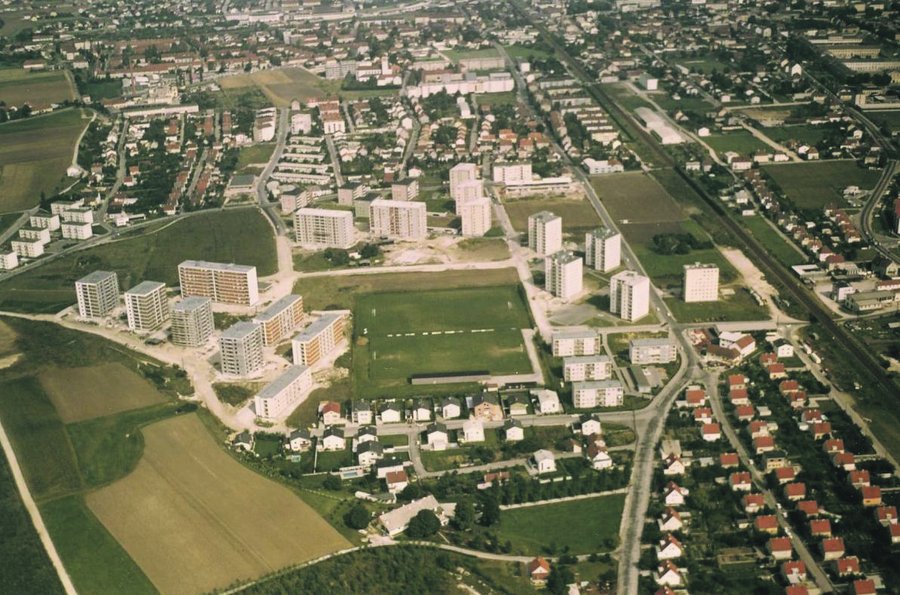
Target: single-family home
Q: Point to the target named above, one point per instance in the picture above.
(366, 434)
(820, 528)
(548, 402)
(396, 481)
(886, 515)
(473, 431)
(544, 461)
(859, 478)
(766, 523)
(784, 475)
(794, 572)
(753, 503)
(740, 481)
(670, 520)
(518, 404)
(361, 413)
(538, 570)
(674, 495)
(810, 508)
(729, 460)
(669, 548)
(436, 436)
(330, 412)
(332, 439)
(673, 465)
(599, 457)
(450, 408)
(871, 496)
(422, 411)
(513, 430)
(711, 432)
(668, 574)
(795, 491)
(780, 548)
(848, 566)
(387, 465)
(703, 415)
(369, 452)
(390, 413)
(243, 441)
(864, 586)
(299, 440)
(486, 407)
(395, 522)
(590, 424)
(832, 548)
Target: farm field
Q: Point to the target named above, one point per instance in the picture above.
(95, 391)
(199, 523)
(814, 185)
(773, 242)
(443, 331)
(34, 154)
(577, 215)
(235, 235)
(585, 526)
(321, 293)
(636, 198)
(18, 86)
(741, 142)
(810, 135)
(280, 85)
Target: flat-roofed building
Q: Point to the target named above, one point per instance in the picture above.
(466, 191)
(629, 295)
(74, 230)
(598, 393)
(563, 274)
(476, 216)
(8, 261)
(241, 349)
(220, 282)
(281, 396)
(324, 228)
(652, 351)
(42, 234)
(319, 339)
(587, 367)
(603, 249)
(701, 283)
(461, 177)
(280, 319)
(578, 342)
(28, 248)
(545, 233)
(511, 172)
(97, 293)
(405, 190)
(192, 321)
(147, 306)
(44, 219)
(77, 215)
(398, 219)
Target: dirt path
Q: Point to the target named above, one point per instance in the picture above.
(755, 280)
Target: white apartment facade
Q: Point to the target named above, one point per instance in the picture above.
(587, 367)
(146, 306)
(597, 393)
(512, 172)
(192, 322)
(652, 351)
(398, 219)
(460, 175)
(241, 348)
(545, 233)
(324, 228)
(318, 340)
(701, 283)
(629, 295)
(97, 293)
(8, 261)
(73, 230)
(563, 274)
(603, 249)
(281, 396)
(578, 343)
(28, 248)
(475, 215)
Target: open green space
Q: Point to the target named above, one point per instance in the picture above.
(457, 55)
(814, 185)
(686, 103)
(19, 86)
(889, 119)
(586, 526)
(741, 142)
(7, 220)
(705, 65)
(777, 245)
(737, 307)
(236, 393)
(236, 235)
(494, 99)
(635, 197)
(577, 215)
(803, 133)
(522, 52)
(255, 155)
(34, 155)
(626, 98)
(436, 332)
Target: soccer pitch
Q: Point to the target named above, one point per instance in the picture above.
(398, 335)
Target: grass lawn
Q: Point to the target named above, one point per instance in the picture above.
(508, 98)
(7, 220)
(18, 85)
(814, 185)
(637, 198)
(34, 155)
(26, 568)
(810, 135)
(582, 525)
(890, 119)
(236, 393)
(773, 241)
(704, 65)
(740, 142)
(442, 331)
(522, 52)
(625, 97)
(696, 104)
(255, 155)
(339, 292)
(457, 55)
(307, 413)
(104, 89)
(577, 215)
(94, 560)
(740, 306)
(236, 235)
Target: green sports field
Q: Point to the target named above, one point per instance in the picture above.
(431, 332)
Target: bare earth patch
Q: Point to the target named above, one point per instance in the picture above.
(753, 277)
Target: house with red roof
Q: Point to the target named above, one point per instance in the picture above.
(739, 396)
(711, 432)
(703, 415)
(776, 370)
(538, 570)
(886, 515)
(786, 387)
(758, 428)
(780, 548)
(728, 460)
(668, 574)
(820, 528)
(674, 495)
(833, 445)
(820, 430)
(670, 520)
(795, 491)
(766, 523)
(844, 460)
(808, 507)
(784, 475)
(673, 465)
(894, 532)
(695, 396)
(848, 566)
(740, 481)
(763, 444)
(796, 590)
(767, 358)
(798, 399)
(811, 416)
(864, 587)
(745, 412)
(832, 548)
(859, 478)
(669, 548)
(871, 496)
(794, 571)
(738, 381)
(753, 503)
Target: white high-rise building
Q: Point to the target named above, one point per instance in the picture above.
(221, 282)
(399, 219)
(476, 216)
(701, 282)
(192, 321)
(511, 172)
(283, 394)
(460, 173)
(545, 233)
(603, 249)
(629, 295)
(241, 347)
(466, 191)
(324, 228)
(563, 274)
(147, 306)
(98, 294)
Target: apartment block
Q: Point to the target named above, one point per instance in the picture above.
(324, 228)
(563, 274)
(77, 215)
(8, 261)
(281, 396)
(27, 248)
(41, 234)
(587, 367)
(459, 175)
(476, 216)
(405, 190)
(701, 283)
(598, 393)
(147, 306)
(511, 172)
(398, 219)
(280, 319)
(652, 351)
(44, 219)
(629, 295)
(578, 343)
(98, 294)
(241, 347)
(603, 249)
(545, 233)
(192, 321)
(319, 339)
(465, 192)
(72, 230)
(220, 282)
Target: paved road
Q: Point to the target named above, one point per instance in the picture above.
(872, 207)
(262, 193)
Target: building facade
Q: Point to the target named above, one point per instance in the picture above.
(220, 282)
(545, 233)
(476, 216)
(319, 339)
(192, 322)
(603, 249)
(241, 348)
(281, 396)
(147, 306)
(398, 219)
(701, 283)
(280, 319)
(569, 343)
(652, 351)
(324, 228)
(597, 393)
(98, 294)
(587, 367)
(563, 274)
(629, 295)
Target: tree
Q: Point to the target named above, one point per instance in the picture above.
(332, 482)
(357, 517)
(424, 524)
(490, 510)
(464, 518)
(411, 492)
(559, 579)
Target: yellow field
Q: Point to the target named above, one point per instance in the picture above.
(196, 520)
(281, 86)
(38, 88)
(95, 391)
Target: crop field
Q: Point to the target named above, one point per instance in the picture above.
(577, 215)
(339, 292)
(18, 86)
(740, 142)
(443, 331)
(636, 198)
(239, 235)
(196, 520)
(34, 155)
(95, 391)
(815, 185)
(281, 85)
(585, 526)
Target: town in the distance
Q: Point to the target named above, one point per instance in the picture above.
(584, 297)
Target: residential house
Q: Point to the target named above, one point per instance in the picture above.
(486, 407)
(808, 507)
(871, 496)
(780, 548)
(668, 574)
(784, 475)
(766, 523)
(848, 566)
(674, 495)
(538, 571)
(330, 412)
(436, 436)
(518, 404)
(669, 548)
(753, 503)
(473, 431)
(794, 572)
(422, 411)
(673, 465)
(390, 413)
(544, 461)
(711, 432)
(598, 455)
(886, 515)
(590, 424)
(369, 452)
(548, 402)
(740, 481)
(820, 528)
(450, 408)
(729, 460)
(864, 587)
(299, 441)
(670, 520)
(832, 548)
(243, 441)
(332, 439)
(396, 481)
(361, 413)
(513, 430)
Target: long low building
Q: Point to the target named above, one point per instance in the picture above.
(587, 367)
(284, 394)
(652, 351)
(599, 393)
(577, 342)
